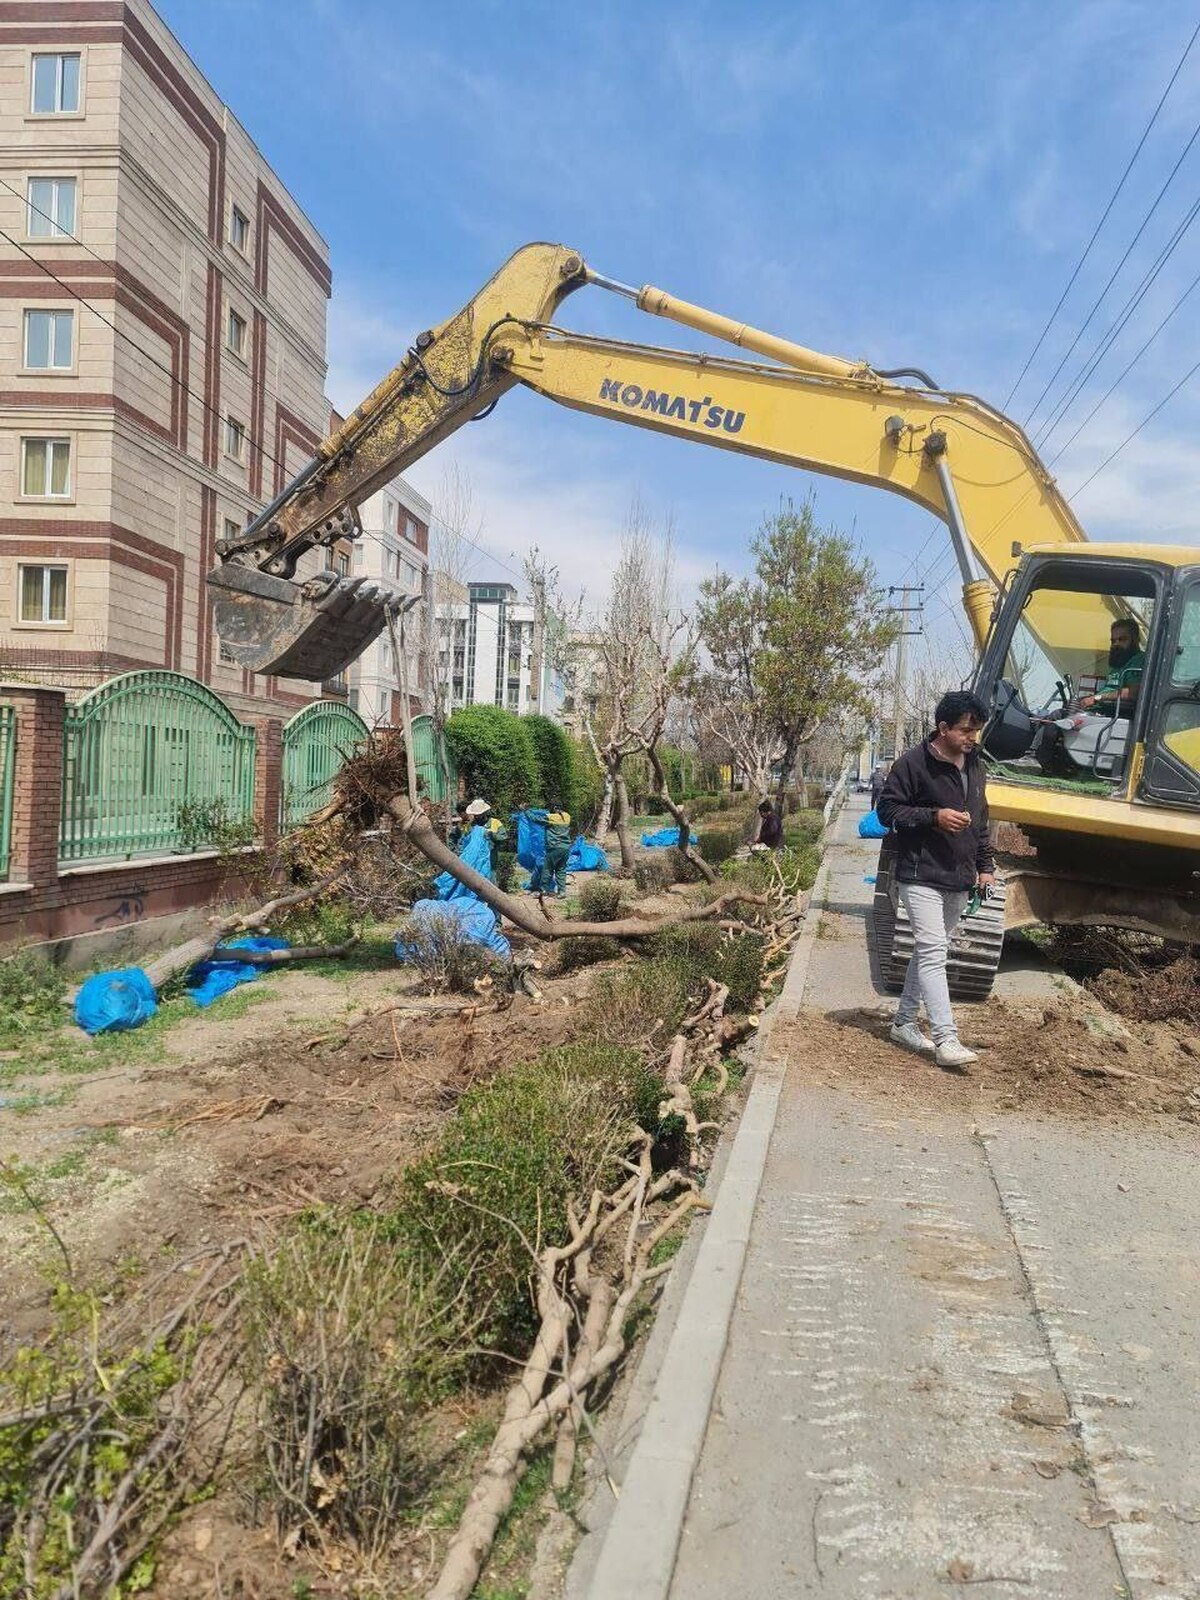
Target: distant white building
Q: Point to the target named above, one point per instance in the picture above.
(489, 651)
(395, 546)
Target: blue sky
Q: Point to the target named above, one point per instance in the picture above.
(911, 185)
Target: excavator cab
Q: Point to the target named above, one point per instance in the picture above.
(1087, 672)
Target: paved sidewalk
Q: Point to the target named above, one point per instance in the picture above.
(960, 1354)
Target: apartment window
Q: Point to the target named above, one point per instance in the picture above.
(43, 594)
(49, 340)
(235, 334)
(51, 208)
(341, 565)
(54, 88)
(239, 230)
(235, 439)
(389, 515)
(46, 468)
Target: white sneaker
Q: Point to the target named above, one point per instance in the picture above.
(950, 1053)
(911, 1037)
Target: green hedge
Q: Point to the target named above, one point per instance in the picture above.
(587, 786)
(495, 756)
(556, 769)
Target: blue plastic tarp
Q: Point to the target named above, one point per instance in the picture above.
(531, 838)
(870, 827)
(661, 838)
(209, 980)
(477, 921)
(109, 1002)
(585, 857)
(475, 851)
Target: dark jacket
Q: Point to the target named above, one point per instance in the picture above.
(770, 829)
(919, 785)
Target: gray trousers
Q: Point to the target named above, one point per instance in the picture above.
(933, 914)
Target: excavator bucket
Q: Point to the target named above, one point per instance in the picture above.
(307, 630)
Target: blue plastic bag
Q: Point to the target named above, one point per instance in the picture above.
(475, 851)
(531, 838)
(870, 827)
(477, 921)
(110, 1002)
(209, 980)
(662, 838)
(585, 857)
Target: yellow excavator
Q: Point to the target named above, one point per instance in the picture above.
(1110, 797)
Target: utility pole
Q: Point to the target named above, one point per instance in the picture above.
(906, 633)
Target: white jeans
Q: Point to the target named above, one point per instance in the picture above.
(933, 915)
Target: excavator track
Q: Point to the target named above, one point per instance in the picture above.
(975, 946)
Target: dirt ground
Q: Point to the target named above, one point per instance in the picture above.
(1069, 1059)
(235, 1122)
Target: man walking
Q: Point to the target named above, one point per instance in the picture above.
(935, 799)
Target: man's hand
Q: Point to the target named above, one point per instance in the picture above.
(985, 880)
(951, 821)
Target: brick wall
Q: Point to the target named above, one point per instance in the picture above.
(40, 901)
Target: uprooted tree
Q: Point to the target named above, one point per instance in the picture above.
(792, 649)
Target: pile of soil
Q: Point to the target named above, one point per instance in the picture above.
(1063, 1059)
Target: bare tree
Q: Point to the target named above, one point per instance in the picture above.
(455, 528)
(643, 647)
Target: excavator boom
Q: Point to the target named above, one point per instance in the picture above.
(948, 452)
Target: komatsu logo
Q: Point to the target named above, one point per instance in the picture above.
(700, 412)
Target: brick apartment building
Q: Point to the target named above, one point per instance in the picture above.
(395, 546)
(135, 427)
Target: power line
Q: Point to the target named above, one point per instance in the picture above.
(1096, 304)
(1117, 327)
(1126, 371)
(1103, 219)
(1149, 417)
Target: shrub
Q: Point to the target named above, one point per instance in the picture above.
(802, 827)
(31, 992)
(346, 1338)
(572, 954)
(740, 967)
(798, 864)
(555, 768)
(706, 952)
(654, 805)
(446, 958)
(494, 754)
(325, 922)
(207, 824)
(600, 900)
(506, 869)
(653, 874)
(497, 1183)
(718, 844)
(697, 943)
(642, 1004)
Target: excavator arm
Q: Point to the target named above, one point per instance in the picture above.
(950, 453)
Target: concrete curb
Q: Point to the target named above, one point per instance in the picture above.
(637, 1560)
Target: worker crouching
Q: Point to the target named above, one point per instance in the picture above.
(935, 799)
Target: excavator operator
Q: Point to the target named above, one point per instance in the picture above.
(1126, 663)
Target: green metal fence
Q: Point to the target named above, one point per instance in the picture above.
(8, 762)
(429, 768)
(152, 762)
(315, 744)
